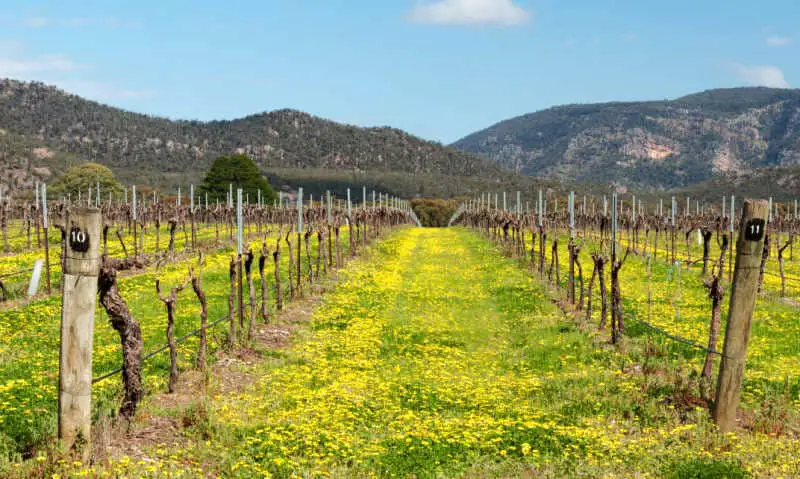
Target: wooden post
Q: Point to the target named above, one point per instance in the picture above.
(749, 247)
(79, 283)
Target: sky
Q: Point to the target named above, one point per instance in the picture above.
(440, 69)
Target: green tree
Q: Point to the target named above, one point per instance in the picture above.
(239, 171)
(82, 177)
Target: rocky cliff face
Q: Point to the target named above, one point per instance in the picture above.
(662, 144)
(24, 162)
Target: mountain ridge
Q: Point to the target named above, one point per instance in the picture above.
(160, 149)
(714, 137)
(657, 144)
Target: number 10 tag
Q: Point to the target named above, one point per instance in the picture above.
(78, 240)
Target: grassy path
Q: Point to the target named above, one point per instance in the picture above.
(439, 358)
(406, 370)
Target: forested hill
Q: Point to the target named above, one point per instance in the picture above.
(34, 115)
(654, 144)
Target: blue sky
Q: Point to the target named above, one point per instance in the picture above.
(438, 69)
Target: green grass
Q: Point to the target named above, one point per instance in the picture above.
(29, 342)
(680, 306)
(438, 357)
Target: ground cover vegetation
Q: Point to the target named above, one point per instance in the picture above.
(488, 350)
(277, 265)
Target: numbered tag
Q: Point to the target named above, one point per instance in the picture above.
(754, 230)
(78, 240)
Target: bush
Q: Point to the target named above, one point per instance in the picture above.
(434, 212)
(85, 177)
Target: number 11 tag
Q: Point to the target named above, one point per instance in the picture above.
(754, 230)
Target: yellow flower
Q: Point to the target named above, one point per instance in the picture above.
(525, 448)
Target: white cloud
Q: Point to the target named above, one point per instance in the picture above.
(114, 22)
(778, 41)
(19, 66)
(10, 47)
(16, 62)
(630, 37)
(58, 70)
(761, 75)
(78, 21)
(37, 22)
(470, 12)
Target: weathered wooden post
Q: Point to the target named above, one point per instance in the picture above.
(79, 283)
(749, 247)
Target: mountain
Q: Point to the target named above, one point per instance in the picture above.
(25, 161)
(44, 129)
(653, 144)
